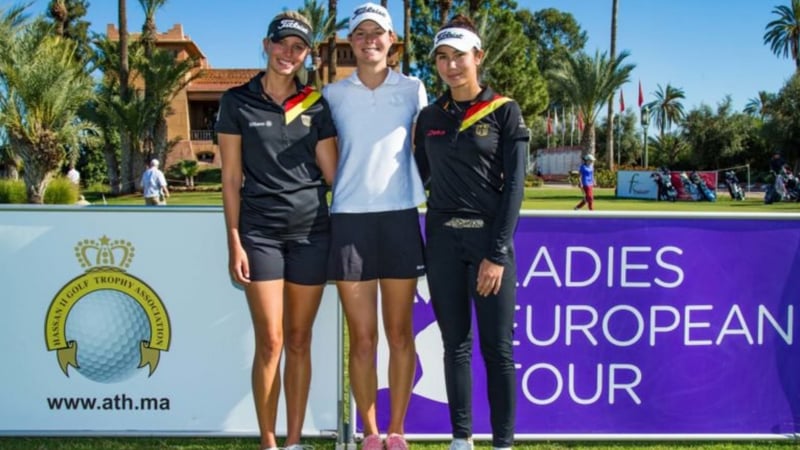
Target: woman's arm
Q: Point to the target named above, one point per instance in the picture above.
(230, 146)
(328, 158)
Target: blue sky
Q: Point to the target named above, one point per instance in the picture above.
(708, 48)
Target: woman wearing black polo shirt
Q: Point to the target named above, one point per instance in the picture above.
(471, 145)
(278, 151)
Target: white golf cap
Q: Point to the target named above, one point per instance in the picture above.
(460, 39)
(153, 162)
(373, 12)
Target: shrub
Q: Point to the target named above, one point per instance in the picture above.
(574, 178)
(99, 188)
(532, 180)
(605, 178)
(209, 176)
(61, 191)
(13, 191)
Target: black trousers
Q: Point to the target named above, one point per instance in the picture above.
(453, 257)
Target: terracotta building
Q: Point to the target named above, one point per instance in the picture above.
(194, 108)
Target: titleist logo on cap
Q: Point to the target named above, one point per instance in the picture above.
(291, 23)
(368, 9)
(449, 35)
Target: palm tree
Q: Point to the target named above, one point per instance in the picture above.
(759, 106)
(407, 37)
(60, 13)
(444, 10)
(126, 179)
(323, 25)
(669, 148)
(589, 83)
(66, 17)
(783, 33)
(124, 71)
(43, 87)
(332, 58)
(11, 21)
(102, 110)
(166, 78)
(610, 113)
(667, 108)
(189, 169)
(149, 31)
(138, 117)
(155, 140)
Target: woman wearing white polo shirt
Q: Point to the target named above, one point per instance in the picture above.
(376, 241)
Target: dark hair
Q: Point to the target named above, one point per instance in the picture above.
(461, 21)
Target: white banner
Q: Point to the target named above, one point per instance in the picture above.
(636, 184)
(92, 294)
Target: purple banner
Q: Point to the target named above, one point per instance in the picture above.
(654, 325)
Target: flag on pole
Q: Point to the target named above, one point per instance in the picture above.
(555, 120)
(549, 124)
(641, 94)
(621, 102)
(572, 119)
(571, 124)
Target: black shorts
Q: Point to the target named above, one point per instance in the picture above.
(299, 261)
(368, 246)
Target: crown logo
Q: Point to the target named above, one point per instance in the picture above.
(104, 252)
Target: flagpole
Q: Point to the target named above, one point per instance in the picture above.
(619, 143)
(547, 127)
(644, 119)
(571, 124)
(618, 128)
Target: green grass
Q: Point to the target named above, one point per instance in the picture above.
(542, 198)
(565, 198)
(545, 198)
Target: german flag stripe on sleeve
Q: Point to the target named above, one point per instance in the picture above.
(480, 110)
(300, 103)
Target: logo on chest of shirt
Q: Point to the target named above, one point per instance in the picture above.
(306, 120)
(267, 123)
(431, 133)
(482, 129)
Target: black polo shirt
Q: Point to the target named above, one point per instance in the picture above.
(475, 169)
(283, 193)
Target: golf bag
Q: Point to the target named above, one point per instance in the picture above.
(792, 185)
(690, 188)
(736, 191)
(702, 187)
(666, 191)
(781, 186)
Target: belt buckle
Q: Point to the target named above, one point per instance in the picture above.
(461, 223)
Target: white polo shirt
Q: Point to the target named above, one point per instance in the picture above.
(376, 169)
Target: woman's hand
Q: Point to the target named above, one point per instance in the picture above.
(490, 275)
(239, 265)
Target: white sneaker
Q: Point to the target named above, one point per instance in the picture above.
(298, 447)
(462, 444)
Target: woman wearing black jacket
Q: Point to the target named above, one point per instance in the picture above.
(471, 146)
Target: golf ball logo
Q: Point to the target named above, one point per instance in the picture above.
(106, 323)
